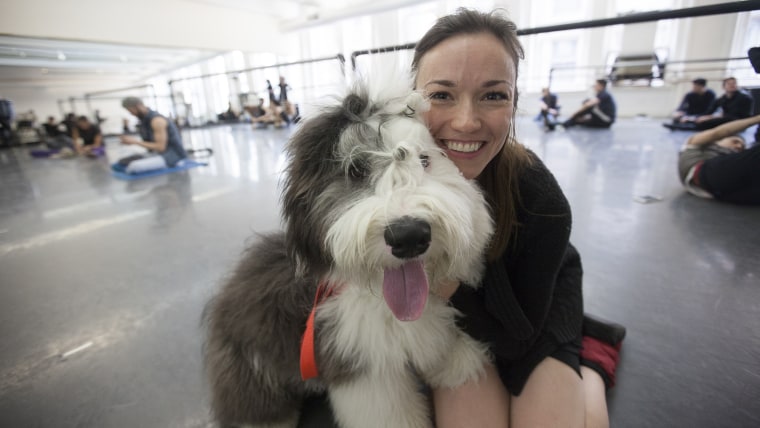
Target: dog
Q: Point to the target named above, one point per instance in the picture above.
(375, 217)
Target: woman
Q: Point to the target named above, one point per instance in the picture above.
(529, 308)
(715, 164)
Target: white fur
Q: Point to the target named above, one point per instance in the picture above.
(393, 358)
(388, 394)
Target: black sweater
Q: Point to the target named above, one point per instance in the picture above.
(535, 288)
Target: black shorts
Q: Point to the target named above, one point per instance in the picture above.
(515, 375)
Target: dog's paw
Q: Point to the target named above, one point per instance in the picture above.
(463, 363)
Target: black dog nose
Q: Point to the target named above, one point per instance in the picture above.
(408, 237)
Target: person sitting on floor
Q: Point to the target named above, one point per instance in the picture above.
(549, 108)
(228, 116)
(51, 128)
(273, 114)
(716, 164)
(256, 111)
(56, 139)
(159, 135)
(596, 112)
(732, 105)
(697, 102)
(91, 144)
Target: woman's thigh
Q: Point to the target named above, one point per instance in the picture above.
(552, 397)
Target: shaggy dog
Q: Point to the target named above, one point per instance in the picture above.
(378, 215)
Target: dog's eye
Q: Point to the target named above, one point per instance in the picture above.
(357, 171)
(425, 160)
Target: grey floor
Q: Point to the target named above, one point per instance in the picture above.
(102, 281)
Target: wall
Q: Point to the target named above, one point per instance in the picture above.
(184, 23)
(164, 23)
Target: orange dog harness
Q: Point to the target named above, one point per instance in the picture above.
(308, 358)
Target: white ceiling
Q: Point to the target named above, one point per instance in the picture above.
(30, 62)
(44, 63)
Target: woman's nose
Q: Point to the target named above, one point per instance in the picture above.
(467, 118)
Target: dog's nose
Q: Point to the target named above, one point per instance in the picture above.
(408, 237)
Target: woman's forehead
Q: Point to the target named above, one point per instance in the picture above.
(468, 56)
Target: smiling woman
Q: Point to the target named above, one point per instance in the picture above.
(470, 111)
(529, 307)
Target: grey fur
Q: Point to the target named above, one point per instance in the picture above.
(264, 304)
(255, 324)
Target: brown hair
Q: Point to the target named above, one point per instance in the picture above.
(499, 179)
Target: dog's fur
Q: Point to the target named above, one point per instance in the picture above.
(354, 170)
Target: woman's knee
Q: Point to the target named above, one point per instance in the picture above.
(553, 396)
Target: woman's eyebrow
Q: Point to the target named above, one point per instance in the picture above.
(451, 84)
(491, 83)
(442, 82)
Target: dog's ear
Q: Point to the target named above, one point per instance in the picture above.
(354, 105)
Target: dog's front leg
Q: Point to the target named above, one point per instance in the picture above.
(380, 401)
(463, 361)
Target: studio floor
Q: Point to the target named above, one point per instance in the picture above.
(102, 281)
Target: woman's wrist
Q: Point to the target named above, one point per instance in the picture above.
(446, 288)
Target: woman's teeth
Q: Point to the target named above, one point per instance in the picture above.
(464, 147)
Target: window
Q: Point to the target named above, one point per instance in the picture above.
(218, 86)
(746, 36)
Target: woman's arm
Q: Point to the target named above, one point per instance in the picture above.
(727, 129)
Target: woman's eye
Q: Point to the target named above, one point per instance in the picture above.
(438, 96)
(497, 96)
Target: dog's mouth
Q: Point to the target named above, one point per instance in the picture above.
(405, 290)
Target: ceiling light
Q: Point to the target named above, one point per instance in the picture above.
(123, 58)
(22, 54)
(61, 56)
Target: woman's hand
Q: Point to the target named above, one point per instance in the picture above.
(446, 288)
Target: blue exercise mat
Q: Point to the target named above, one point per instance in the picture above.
(185, 165)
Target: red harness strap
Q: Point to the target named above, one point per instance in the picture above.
(308, 358)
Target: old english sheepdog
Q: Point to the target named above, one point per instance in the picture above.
(375, 216)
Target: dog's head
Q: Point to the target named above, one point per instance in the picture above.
(370, 199)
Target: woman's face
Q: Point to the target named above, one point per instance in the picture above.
(470, 82)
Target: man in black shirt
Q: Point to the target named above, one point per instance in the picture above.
(595, 112)
(733, 104)
(696, 103)
(91, 143)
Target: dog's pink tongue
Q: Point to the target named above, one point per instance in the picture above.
(406, 290)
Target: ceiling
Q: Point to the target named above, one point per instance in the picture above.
(53, 64)
(28, 61)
